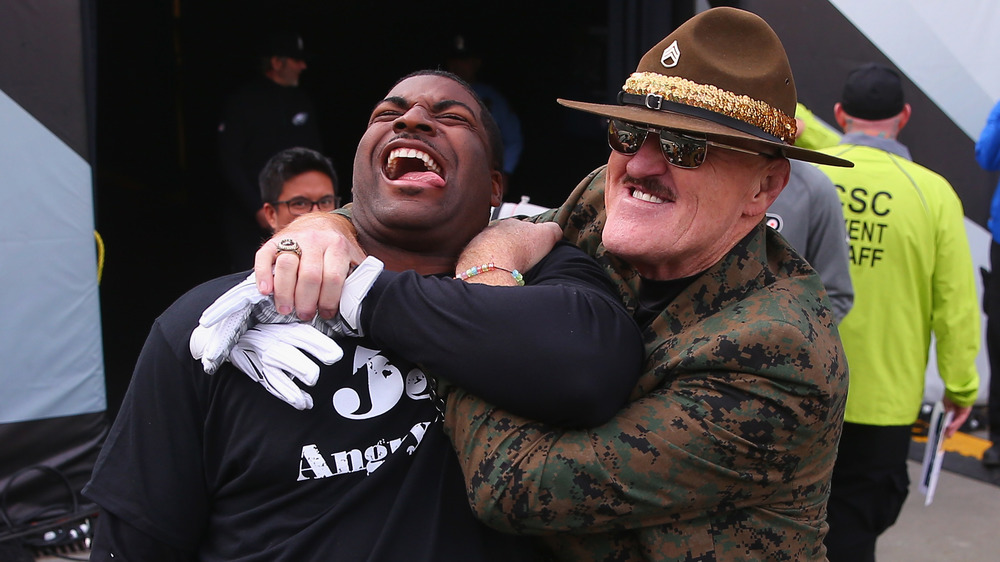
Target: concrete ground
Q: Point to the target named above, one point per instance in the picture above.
(962, 524)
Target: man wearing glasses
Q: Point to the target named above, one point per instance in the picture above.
(294, 182)
(726, 449)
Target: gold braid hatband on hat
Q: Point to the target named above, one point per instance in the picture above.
(744, 108)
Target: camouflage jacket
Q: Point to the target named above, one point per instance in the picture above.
(725, 451)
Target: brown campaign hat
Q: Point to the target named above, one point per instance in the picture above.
(723, 74)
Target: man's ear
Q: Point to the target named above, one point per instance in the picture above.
(498, 182)
(904, 116)
(772, 180)
(839, 116)
(271, 214)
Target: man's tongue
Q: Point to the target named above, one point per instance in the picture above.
(429, 178)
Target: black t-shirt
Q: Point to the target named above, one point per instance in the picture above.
(214, 465)
(654, 296)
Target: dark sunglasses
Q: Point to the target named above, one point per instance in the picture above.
(683, 151)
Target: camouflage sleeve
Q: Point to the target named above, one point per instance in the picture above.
(707, 437)
(345, 211)
(581, 215)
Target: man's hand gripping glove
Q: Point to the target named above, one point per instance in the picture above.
(243, 327)
(347, 322)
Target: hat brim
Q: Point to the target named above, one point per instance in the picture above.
(712, 130)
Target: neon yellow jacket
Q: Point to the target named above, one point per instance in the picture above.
(912, 272)
(816, 133)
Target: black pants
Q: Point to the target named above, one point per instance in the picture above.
(870, 484)
(991, 306)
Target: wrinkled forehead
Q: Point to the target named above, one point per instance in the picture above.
(433, 92)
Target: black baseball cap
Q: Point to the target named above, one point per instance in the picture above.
(872, 92)
(284, 44)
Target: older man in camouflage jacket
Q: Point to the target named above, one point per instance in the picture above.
(727, 449)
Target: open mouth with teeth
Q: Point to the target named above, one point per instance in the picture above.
(643, 196)
(413, 165)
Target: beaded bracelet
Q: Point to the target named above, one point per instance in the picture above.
(473, 271)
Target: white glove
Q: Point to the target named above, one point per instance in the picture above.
(222, 324)
(272, 355)
(356, 288)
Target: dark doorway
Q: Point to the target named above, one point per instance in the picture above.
(164, 69)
